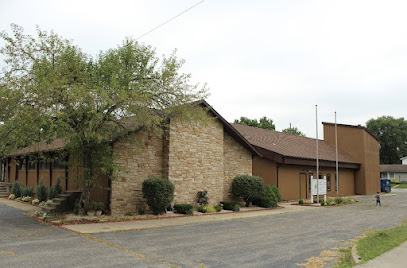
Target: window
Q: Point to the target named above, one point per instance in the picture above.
(310, 177)
(44, 164)
(22, 164)
(32, 164)
(328, 182)
(320, 176)
(59, 164)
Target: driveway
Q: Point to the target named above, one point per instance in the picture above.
(283, 240)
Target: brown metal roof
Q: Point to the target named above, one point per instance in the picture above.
(393, 168)
(292, 146)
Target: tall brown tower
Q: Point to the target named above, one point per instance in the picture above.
(364, 147)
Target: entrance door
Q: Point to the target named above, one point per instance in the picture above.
(3, 171)
(303, 186)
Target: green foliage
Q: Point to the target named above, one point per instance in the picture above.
(381, 241)
(95, 205)
(247, 187)
(276, 192)
(41, 191)
(268, 199)
(27, 191)
(16, 189)
(218, 208)
(129, 213)
(293, 131)
(206, 209)
(51, 89)
(159, 193)
(55, 190)
(329, 201)
(76, 207)
(264, 122)
(202, 198)
(392, 135)
(301, 202)
(338, 200)
(184, 208)
(141, 211)
(230, 205)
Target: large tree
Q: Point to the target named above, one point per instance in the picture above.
(392, 135)
(264, 122)
(293, 131)
(50, 89)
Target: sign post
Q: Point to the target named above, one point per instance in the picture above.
(318, 187)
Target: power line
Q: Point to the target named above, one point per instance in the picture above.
(170, 19)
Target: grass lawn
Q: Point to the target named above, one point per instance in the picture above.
(378, 242)
(402, 186)
(374, 244)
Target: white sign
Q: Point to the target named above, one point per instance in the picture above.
(318, 187)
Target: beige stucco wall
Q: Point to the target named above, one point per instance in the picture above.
(195, 161)
(137, 157)
(237, 161)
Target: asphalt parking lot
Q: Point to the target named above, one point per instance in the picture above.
(283, 240)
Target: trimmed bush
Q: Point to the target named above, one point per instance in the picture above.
(16, 189)
(301, 202)
(276, 192)
(268, 199)
(247, 187)
(228, 205)
(218, 208)
(41, 191)
(184, 208)
(159, 193)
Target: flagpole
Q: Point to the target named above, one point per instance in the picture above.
(316, 124)
(336, 152)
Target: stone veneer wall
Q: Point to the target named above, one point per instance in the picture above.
(195, 161)
(137, 158)
(237, 161)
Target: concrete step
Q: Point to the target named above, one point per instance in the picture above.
(3, 195)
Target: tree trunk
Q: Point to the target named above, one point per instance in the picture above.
(87, 176)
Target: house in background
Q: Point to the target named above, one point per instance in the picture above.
(395, 172)
(289, 161)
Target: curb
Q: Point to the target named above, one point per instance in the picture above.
(355, 258)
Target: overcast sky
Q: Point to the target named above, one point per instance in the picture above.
(259, 58)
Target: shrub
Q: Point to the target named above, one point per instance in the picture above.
(129, 213)
(218, 208)
(159, 194)
(268, 199)
(55, 190)
(76, 207)
(301, 202)
(184, 208)
(228, 205)
(11, 196)
(27, 191)
(95, 205)
(202, 198)
(26, 198)
(247, 187)
(338, 200)
(16, 189)
(206, 209)
(35, 202)
(41, 191)
(276, 192)
(329, 201)
(236, 207)
(141, 211)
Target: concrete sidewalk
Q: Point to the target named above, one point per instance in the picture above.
(175, 221)
(396, 258)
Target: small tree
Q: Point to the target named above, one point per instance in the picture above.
(159, 193)
(41, 191)
(16, 189)
(55, 190)
(247, 187)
